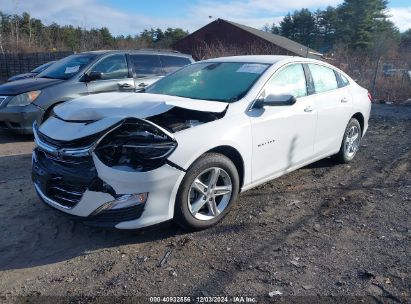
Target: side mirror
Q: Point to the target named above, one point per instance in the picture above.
(91, 76)
(277, 100)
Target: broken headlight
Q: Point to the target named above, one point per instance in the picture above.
(135, 146)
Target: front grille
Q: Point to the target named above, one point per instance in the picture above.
(65, 193)
(65, 159)
(60, 180)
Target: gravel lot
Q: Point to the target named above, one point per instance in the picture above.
(326, 229)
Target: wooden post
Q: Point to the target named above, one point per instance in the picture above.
(374, 81)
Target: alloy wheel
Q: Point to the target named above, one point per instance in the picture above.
(209, 193)
(352, 142)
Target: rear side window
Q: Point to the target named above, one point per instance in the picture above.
(323, 77)
(289, 80)
(145, 65)
(173, 63)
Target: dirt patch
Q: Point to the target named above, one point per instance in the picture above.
(326, 229)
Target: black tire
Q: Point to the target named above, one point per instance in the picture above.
(182, 215)
(342, 155)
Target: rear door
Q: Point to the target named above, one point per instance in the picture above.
(146, 69)
(334, 106)
(115, 75)
(171, 64)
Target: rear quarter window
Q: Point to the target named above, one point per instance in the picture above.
(341, 80)
(173, 63)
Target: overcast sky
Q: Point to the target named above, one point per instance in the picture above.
(124, 17)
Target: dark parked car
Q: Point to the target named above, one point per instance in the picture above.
(32, 73)
(24, 101)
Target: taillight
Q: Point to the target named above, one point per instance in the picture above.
(369, 96)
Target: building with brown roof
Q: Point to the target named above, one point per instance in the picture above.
(222, 37)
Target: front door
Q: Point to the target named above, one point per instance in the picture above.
(115, 75)
(283, 136)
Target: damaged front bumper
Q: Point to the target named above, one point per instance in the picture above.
(87, 189)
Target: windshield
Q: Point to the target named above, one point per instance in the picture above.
(67, 67)
(217, 81)
(42, 67)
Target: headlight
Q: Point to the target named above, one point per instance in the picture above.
(135, 146)
(23, 99)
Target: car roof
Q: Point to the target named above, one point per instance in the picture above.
(266, 59)
(140, 51)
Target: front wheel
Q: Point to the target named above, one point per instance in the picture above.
(351, 141)
(207, 192)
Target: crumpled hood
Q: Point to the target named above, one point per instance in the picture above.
(138, 105)
(95, 113)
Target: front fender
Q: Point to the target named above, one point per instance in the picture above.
(194, 142)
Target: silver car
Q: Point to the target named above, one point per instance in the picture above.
(24, 101)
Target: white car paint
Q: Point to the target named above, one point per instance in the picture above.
(271, 141)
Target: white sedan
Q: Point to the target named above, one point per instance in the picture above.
(186, 147)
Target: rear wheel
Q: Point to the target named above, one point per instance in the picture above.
(351, 141)
(207, 192)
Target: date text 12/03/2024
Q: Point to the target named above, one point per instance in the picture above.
(203, 299)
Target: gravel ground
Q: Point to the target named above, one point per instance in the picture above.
(323, 230)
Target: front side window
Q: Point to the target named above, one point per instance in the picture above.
(67, 67)
(289, 80)
(145, 65)
(173, 63)
(324, 78)
(217, 81)
(112, 67)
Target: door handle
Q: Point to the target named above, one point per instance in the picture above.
(142, 85)
(344, 100)
(308, 109)
(124, 85)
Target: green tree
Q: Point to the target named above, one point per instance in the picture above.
(326, 21)
(24, 33)
(273, 28)
(287, 27)
(301, 27)
(107, 39)
(305, 26)
(406, 40)
(360, 20)
(70, 38)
